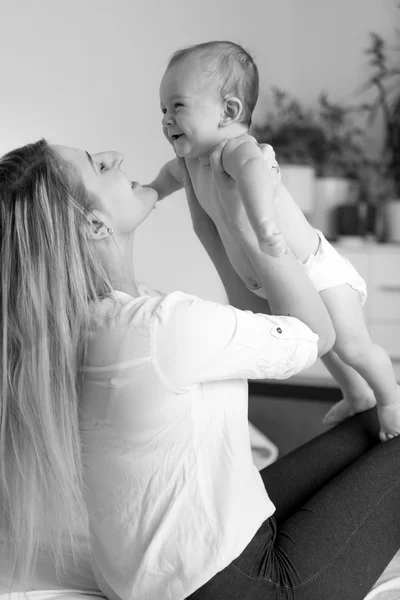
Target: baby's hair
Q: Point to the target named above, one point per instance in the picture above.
(231, 66)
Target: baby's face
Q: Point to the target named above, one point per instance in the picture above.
(192, 110)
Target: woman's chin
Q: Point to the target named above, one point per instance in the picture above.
(150, 195)
(153, 201)
(153, 195)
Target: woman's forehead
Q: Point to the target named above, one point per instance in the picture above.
(74, 156)
(68, 153)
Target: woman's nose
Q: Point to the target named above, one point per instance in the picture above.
(110, 158)
(117, 159)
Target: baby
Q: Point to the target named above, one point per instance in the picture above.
(208, 94)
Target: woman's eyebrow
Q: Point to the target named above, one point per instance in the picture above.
(91, 161)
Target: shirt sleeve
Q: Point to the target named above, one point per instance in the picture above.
(195, 341)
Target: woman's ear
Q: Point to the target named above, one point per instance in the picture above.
(98, 230)
(233, 108)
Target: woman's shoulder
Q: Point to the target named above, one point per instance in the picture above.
(123, 327)
(123, 309)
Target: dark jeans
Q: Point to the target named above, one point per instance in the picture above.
(337, 523)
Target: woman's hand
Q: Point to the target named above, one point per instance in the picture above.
(234, 209)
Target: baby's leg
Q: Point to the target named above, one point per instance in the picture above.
(357, 394)
(356, 349)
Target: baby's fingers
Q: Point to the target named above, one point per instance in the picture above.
(270, 238)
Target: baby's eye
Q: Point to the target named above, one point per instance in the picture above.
(178, 104)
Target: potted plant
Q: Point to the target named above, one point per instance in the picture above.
(326, 141)
(293, 133)
(342, 166)
(385, 79)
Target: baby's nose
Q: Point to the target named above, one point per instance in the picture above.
(167, 120)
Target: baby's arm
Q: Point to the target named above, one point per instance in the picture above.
(168, 181)
(244, 161)
(290, 291)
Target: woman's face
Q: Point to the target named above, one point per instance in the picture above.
(125, 203)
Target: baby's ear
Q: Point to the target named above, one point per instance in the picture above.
(233, 108)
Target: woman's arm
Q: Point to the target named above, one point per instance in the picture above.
(195, 341)
(238, 294)
(290, 291)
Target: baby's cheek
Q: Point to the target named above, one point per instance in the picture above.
(165, 132)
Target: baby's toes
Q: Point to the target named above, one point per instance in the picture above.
(385, 436)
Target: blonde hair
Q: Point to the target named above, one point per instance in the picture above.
(51, 277)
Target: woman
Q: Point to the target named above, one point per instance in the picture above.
(133, 405)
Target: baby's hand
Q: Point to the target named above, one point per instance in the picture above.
(389, 418)
(270, 238)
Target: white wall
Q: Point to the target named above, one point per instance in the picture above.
(85, 73)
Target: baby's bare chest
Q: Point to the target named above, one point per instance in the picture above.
(206, 191)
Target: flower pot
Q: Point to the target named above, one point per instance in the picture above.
(392, 220)
(355, 220)
(300, 181)
(330, 192)
(351, 219)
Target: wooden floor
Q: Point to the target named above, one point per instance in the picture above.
(289, 420)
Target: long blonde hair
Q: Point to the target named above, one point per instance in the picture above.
(51, 277)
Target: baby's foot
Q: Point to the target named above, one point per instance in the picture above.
(271, 239)
(347, 408)
(389, 418)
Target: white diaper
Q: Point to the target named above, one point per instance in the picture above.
(327, 269)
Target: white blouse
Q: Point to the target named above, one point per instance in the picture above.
(172, 491)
